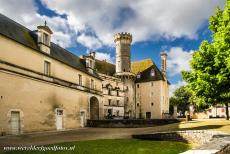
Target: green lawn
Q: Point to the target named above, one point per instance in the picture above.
(119, 146)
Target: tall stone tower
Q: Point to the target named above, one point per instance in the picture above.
(123, 45)
(123, 70)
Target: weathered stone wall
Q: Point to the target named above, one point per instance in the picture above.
(37, 101)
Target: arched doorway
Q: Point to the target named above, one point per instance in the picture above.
(94, 108)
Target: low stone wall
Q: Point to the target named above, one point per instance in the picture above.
(188, 136)
(129, 123)
(210, 142)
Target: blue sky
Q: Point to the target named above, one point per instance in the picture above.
(173, 26)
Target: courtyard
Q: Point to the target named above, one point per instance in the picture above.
(109, 140)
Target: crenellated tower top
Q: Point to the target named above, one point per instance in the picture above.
(124, 37)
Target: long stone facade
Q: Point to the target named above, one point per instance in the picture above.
(45, 87)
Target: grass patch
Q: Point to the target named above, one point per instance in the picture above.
(118, 146)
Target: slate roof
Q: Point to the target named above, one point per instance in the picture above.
(146, 76)
(23, 35)
(105, 67)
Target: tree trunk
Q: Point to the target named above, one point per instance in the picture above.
(227, 111)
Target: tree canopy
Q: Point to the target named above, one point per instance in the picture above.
(209, 78)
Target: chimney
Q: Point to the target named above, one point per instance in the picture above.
(44, 38)
(164, 63)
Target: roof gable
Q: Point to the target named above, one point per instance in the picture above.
(147, 75)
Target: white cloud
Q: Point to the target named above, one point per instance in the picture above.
(173, 87)
(145, 19)
(178, 60)
(104, 56)
(89, 41)
(25, 13)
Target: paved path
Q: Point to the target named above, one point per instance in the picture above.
(74, 135)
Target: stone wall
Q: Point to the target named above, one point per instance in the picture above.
(121, 123)
(210, 142)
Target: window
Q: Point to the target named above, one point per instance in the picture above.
(47, 68)
(90, 64)
(109, 91)
(139, 75)
(59, 112)
(117, 102)
(148, 115)
(117, 112)
(137, 104)
(152, 84)
(137, 85)
(152, 72)
(152, 104)
(109, 101)
(117, 92)
(45, 39)
(92, 84)
(80, 79)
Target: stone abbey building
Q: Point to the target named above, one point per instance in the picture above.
(45, 87)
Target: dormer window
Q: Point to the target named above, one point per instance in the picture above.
(139, 75)
(45, 39)
(90, 62)
(152, 72)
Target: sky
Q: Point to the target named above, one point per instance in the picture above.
(176, 27)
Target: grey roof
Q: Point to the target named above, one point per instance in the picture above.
(22, 35)
(105, 67)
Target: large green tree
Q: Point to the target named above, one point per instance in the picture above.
(209, 78)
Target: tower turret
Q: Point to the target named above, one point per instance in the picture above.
(164, 63)
(123, 45)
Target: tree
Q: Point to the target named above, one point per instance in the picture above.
(209, 78)
(182, 98)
